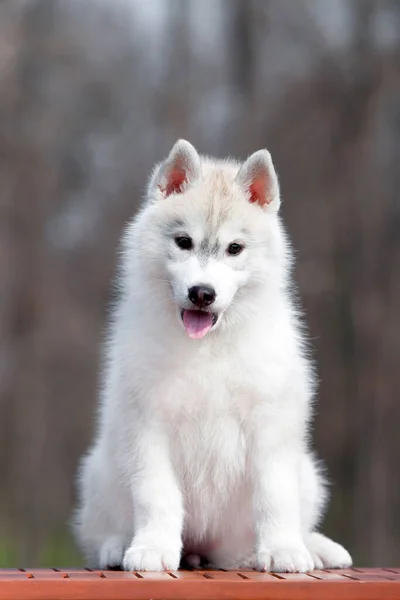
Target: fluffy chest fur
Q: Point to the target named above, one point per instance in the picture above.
(210, 401)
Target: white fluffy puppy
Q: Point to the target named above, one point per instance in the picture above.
(202, 444)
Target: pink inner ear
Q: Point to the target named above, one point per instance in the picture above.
(258, 192)
(175, 180)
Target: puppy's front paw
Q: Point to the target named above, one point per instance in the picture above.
(287, 558)
(151, 558)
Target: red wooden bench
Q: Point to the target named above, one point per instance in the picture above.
(82, 584)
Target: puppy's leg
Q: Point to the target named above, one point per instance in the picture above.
(326, 554)
(102, 521)
(313, 492)
(275, 471)
(157, 505)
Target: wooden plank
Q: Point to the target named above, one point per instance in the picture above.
(155, 576)
(351, 573)
(329, 576)
(349, 584)
(45, 574)
(257, 576)
(190, 575)
(366, 574)
(119, 575)
(222, 575)
(195, 590)
(295, 577)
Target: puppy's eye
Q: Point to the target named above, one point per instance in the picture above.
(235, 248)
(184, 242)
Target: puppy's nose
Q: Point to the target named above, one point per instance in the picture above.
(202, 295)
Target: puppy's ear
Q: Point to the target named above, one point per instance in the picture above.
(258, 179)
(177, 173)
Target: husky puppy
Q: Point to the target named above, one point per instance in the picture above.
(202, 447)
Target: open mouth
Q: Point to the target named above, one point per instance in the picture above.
(198, 322)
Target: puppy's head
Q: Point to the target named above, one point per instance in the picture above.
(211, 231)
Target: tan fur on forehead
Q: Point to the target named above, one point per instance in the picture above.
(216, 196)
(219, 174)
(218, 178)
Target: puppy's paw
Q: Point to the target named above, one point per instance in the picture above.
(151, 558)
(288, 558)
(112, 552)
(326, 553)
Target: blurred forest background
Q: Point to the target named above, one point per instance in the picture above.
(92, 93)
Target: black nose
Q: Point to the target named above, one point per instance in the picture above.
(202, 295)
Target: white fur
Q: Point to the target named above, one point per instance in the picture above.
(202, 444)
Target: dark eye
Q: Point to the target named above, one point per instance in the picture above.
(184, 242)
(235, 248)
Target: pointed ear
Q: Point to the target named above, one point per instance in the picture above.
(259, 180)
(180, 169)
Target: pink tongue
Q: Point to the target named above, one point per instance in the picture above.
(197, 323)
